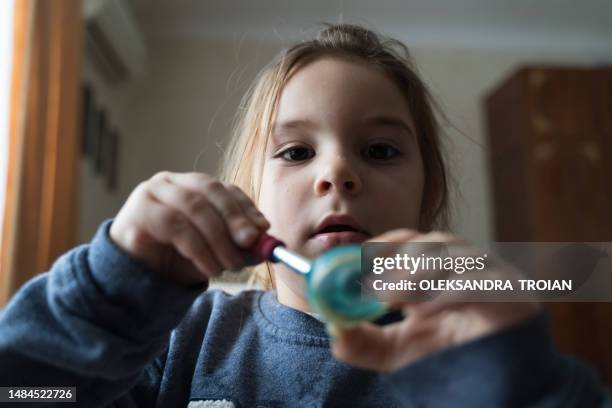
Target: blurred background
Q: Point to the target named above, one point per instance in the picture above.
(98, 95)
(198, 58)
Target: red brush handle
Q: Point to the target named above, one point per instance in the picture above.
(262, 249)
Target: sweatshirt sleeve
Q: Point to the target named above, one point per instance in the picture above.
(97, 320)
(516, 367)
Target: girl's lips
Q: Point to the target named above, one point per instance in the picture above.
(331, 239)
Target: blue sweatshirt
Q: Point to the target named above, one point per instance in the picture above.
(127, 337)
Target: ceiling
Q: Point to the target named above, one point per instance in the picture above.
(562, 24)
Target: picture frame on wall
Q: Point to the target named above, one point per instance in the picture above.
(100, 141)
(89, 122)
(110, 158)
(98, 145)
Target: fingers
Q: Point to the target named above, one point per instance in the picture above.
(170, 226)
(247, 206)
(388, 348)
(440, 236)
(449, 319)
(187, 226)
(406, 234)
(396, 235)
(242, 228)
(197, 210)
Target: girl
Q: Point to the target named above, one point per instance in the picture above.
(338, 143)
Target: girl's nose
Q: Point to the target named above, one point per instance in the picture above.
(339, 175)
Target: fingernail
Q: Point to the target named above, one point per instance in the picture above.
(259, 216)
(263, 222)
(255, 211)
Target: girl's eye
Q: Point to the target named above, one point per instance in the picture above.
(296, 153)
(381, 151)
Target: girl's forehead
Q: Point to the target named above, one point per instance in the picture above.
(332, 88)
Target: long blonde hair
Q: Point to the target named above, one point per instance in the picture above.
(243, 160)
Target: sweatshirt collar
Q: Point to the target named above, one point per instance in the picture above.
(286, 321)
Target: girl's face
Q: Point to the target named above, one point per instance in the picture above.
(343, 143)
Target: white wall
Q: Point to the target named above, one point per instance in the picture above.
(186, 103)
(178, 112)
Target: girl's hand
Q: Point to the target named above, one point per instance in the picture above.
(429, 326)
(187, 226)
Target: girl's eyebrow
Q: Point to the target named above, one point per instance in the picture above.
(390, 121)
(293, 124)
(380, 120)
(280, 128)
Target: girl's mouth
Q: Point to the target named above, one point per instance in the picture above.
(329, 239)
(339, 229)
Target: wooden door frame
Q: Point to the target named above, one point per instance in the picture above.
(40, 213)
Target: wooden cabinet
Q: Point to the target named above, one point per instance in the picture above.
(550, 139)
